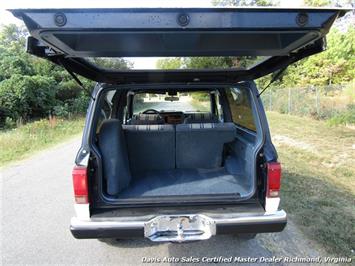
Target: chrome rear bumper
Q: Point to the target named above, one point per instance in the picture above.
(155, 229)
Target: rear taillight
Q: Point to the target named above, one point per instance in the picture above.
(273, 179)
(80, 182)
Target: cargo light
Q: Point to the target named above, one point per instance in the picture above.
(80, 184)
(273, 179)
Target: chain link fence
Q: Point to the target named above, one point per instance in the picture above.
(318, 102)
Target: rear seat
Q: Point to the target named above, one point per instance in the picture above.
(111, 142)
(201, 118)
(201, 145)
(150, 146)
(146, 119)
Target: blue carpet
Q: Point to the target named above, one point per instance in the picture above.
(184, 182)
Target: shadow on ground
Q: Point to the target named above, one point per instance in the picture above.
(218, 246)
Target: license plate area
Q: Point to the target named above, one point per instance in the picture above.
(179, 228)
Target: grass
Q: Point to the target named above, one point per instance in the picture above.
(23, 141)
(318, 184)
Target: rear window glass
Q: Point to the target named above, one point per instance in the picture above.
(240, 107)
(196, 62)
(181, 102)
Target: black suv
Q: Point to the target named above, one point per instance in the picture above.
(176, 155)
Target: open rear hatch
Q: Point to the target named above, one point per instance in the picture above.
(68, 36)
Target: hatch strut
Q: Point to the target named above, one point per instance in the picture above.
(75, 78)
(274, 78)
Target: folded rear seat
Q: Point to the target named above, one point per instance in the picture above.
(150, 147)
(201, 145)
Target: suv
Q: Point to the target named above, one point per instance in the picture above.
(176, 155)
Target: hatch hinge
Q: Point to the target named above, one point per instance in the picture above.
(38, 48)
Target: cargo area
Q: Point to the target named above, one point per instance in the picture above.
(166, 160)
(152, 151)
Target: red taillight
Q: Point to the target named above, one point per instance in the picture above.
(273, 179)
(80, 183)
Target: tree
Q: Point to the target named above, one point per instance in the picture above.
(31, 87)
(13, 59)
(23, 96)
(111, 63)
(336, 65)
(170, 63)
(244, 2)
(14, 64)
(13, 37)
(205, 62)
(317, 3)
(208, 62)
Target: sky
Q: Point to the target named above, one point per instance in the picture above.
(139, 63)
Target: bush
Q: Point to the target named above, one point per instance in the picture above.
(27, 96)
(344, 118)
(76, 106)
(9, 123)
(200, 96)
(79, 105)
(10, 65)
(61, 110)
(3, 115)
(67, 90)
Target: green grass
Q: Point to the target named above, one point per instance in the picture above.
(318, 183)
(21, 142)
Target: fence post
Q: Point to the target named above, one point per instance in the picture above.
(317, 101)
(289, 100)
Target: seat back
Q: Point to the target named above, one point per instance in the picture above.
(150, 147)
(112, 145)
(146, 119)
(201, 145)
(201, 118)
